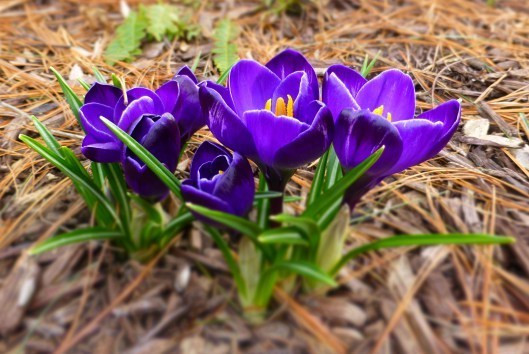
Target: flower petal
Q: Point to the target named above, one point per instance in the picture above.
(185, 71)
(270, 133)
(290, 86)
(289, 61)
(223, 91)
(103, 94)
(419, 142)
(206, 152)
(236, 185)
(168, 94)
(134, 94)
(311, 143)
(336, 95)
(352, 79)
(90, 114)
(449, 113)
(143, 181)
(392, 89)
(225, 125)
(194, 195)
(105, 152)
(135, 110)
(359, 134)
(188, 111)
(251, 85)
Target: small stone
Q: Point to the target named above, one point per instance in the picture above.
(476, 128)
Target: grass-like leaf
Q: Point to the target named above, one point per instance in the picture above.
(367, 65)
(72, 173)
(337, 191)
(73, 100)
(319, 177)
(422, 240)
(99, 77)
(283, 235)
(333, 170)
(305, 269)
(166, 176)
(230, 260)
(48, 137)
(224, 50)
(82, 235)
(127, 40)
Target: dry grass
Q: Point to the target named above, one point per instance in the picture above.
(435, 300)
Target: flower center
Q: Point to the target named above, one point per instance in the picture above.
(282, 108)
(380, 112)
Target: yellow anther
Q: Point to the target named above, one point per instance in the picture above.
(379, 110)
(389, 117)
(268, 105)
(290, 106)
(281, 107)
(221, 172)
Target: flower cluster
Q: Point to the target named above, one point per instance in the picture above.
(274, 115)
(271, 114)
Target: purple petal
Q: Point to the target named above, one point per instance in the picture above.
(225, 125)
(419, 142)
(336, 95)
(134, 111)
(359, 134)
(103, 94)
(352, 79)
(168, 94)
(134, 94)
(192, 194)
(392, 89)
(163, 141)
(222, 90)
(270, 132)
(188, 111)
(207, 151)
(290, 86)
(143, 181)
(237, 186)
(310, 144)
(449, 113)
(289, 61)
(251, 85)
(90, 114)
(185, 71)
(105, 152)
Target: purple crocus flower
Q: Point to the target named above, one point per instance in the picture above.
(160, 135)
(271, 114)
(381, 112)
(219, 180)
(179, 97)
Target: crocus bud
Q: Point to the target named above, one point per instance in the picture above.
(159, 134)
(219, 180)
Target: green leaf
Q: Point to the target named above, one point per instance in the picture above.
(48, 137)
(330, 197)
(82, 235)
(333, 171)
(283, 235)
(84, 84)
(72, 99)
(367, 66)
(224, 76)
(166, 176)
(423, 240)
(224, 50)
(72, 173)
(263, 205)
(317, 182)
(230, 260)
(176, 225)
(261, 195)
(244, 226)
(305, 269)
(116, 81)
(118, 187)
(162, 19)
(99, 77)
(127, 41)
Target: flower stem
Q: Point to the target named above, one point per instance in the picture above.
(277, 181)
